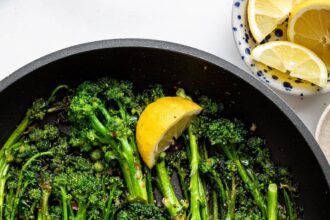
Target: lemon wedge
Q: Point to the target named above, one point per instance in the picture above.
(265, 15)
(309, 25)
(160, 123)
(290, 57)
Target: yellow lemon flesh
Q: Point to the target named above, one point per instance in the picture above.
(265, 15)
(160, 123)
(297, 2)
(290, 57)
(309, 25)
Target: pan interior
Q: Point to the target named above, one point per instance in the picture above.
(145, 66)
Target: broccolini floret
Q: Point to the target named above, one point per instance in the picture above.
(76, 158)
(36, 112)
(139, 211)
(228, 135)
(105, 112)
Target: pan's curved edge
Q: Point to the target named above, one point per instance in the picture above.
(173, 47)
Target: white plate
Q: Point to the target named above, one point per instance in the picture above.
(245, 43)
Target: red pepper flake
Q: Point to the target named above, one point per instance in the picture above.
(74, 206)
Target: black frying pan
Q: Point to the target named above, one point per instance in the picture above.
(145, 62)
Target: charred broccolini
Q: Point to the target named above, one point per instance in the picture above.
(85, 164)
(105, 113)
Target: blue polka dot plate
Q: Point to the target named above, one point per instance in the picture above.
(274, 78)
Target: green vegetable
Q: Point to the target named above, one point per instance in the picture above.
(98, 167)
(175, 208)
(74, 156)
(215, 207)
(226, 194)
(36, 112)
(178, 161)
(228, 135)
(96, 154)
(289, 205)
(113, 125)
(141, 211)
(149, 185)
(198, 200)
(272, 202)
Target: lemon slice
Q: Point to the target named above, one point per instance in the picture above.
(265, 15)
(309, 25)
(160, 123)
(290, 57)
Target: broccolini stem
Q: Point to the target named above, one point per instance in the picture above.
(170, 200)
(218, 185)
(105, 112)
(46, 191)
(20, 180)
(136, 183)
(3, 179)
(33, 207)
(52, 96)
(250, 184)
(15, 135)
(98, 126)
(122, 110)
(105, 133)
(82, 209)
(203, 152)
(272, 202)
(128, 179)
(231, 201)
(3, 163)
(64, 203)
(33, 158)
(205, 212)
(215, 205)
(54, 109)
(4, 166)
(184, 187)
(289, 205)
(194, 177)
(109, 210)
(70, 210)
(132, 143)
(150, 192)
(9, 196)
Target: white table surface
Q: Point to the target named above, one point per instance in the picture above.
(30, 29)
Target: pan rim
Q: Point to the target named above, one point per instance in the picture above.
(181, 49)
